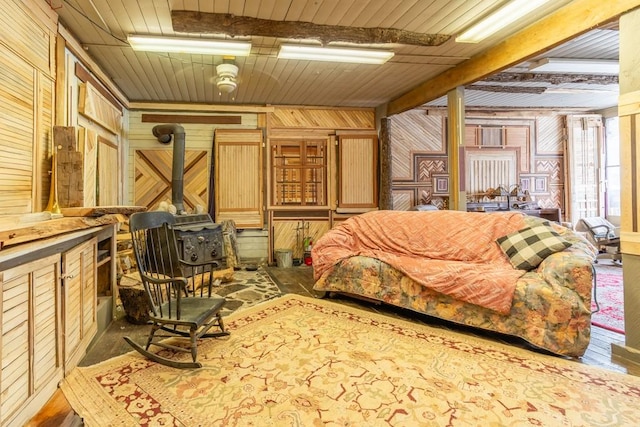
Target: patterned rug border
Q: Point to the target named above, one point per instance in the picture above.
(96, 407)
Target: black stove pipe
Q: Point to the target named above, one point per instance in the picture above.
(163, 133)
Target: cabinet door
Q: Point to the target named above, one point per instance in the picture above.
(80, 301)
(239, 177)
(30, 335)
(357, 172)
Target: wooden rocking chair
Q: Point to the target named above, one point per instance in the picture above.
(179, 305)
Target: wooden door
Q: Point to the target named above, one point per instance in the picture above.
(239, 172)
(357, 172)
(79, 301)
(30, 336)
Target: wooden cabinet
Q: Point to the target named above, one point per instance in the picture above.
(30, 338)
(79, 272)
(48, 304)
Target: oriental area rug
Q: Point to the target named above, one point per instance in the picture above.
(610, 296)
(299, 361)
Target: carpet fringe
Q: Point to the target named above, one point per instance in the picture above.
(89, 401)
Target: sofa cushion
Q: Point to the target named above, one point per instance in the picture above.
(526, 248)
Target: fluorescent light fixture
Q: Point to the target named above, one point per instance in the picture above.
(334, 54)
(498, 20)
(575, 66)
(189, 45)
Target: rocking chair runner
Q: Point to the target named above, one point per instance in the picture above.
(179, 305)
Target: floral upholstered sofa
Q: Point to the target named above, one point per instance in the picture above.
(505, 272)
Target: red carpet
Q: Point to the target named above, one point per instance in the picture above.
(609, 294)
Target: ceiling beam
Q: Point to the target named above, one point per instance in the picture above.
(597, 79)
(508, 89)
(187, 21)
(574, 19)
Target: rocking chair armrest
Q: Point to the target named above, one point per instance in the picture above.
(212, 263)
(177, 280)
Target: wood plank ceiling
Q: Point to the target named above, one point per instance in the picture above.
(102, 28)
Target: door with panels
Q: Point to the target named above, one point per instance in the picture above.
(79, 270)
(30, 336)
(357, 170)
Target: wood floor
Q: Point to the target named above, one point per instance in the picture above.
(299, 280)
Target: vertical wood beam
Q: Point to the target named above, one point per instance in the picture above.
(455, 143)
(385, 200)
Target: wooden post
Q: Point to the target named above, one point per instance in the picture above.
(455, 133)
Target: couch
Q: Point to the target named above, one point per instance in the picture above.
(505, 272)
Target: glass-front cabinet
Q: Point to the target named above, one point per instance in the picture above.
(299, 172)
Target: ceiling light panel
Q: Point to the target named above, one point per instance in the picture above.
(334, 54)
(498, 20)
(575, 66)
(189, 45)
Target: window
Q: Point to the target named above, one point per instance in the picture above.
(299, 171)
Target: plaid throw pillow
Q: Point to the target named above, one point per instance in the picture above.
(527, 248)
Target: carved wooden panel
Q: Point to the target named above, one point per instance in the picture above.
(549, 138)
(414, 132)
(320, 118)
(428, 165)
(403, 199)
(153, 178)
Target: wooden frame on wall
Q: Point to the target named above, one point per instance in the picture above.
(440, 184)
(537, 184)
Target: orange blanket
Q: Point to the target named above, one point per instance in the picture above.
(452, 252)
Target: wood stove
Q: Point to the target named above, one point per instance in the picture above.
(199, 239)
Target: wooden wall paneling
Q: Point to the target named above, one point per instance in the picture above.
(108, 173)
(404, 198)
(520, 136)
(550, 135)
(289, 233)
(629, 111)
(88, 139)
(472, 135)
(427, 165)
(414, 132)
(322, 118)
(93, 105)
(32, 36)
(17, 94)
(152, 183)
(357, 171)
(30, 337)
(239, 177)
(44, 129)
